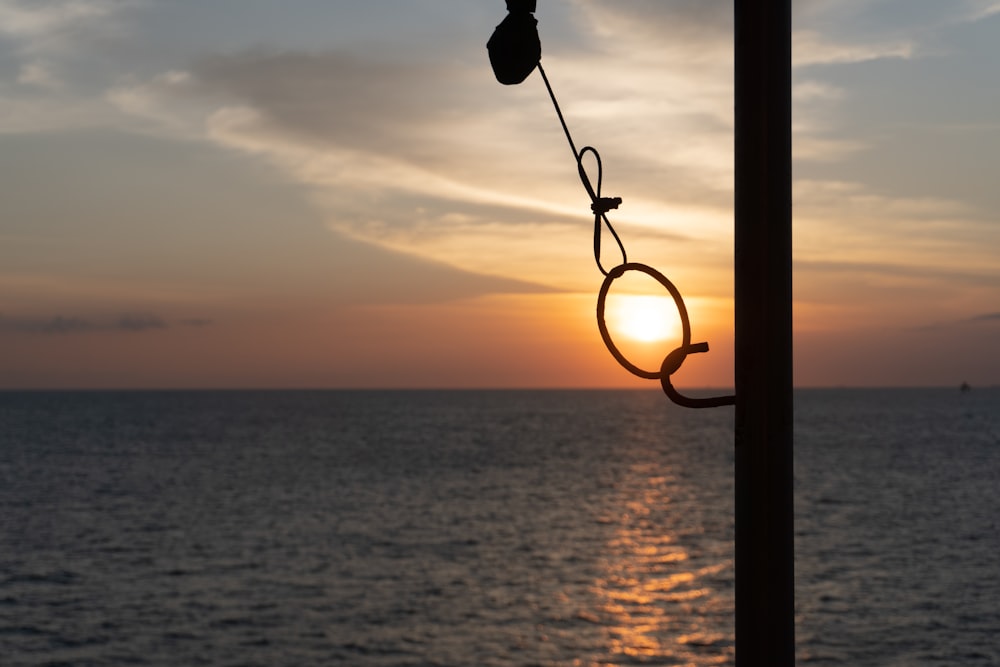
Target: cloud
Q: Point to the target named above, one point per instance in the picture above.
(424, 161)
(429, 156)
(30, 19)
(975, 321)
(810, 48)
(57, 324)
(977, 10)
(920, 277)
(876, 256)
(333, 97)
(139, 322)
(155, 103)
(676, 26)
(333, 119)
(687, 48)
(61, 32)
(695, 31)
(59, 50)
(935, 236)
(38, 75)
(68, 324)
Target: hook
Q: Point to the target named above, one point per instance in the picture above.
(671, 364)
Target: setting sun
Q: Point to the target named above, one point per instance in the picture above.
(644, 318)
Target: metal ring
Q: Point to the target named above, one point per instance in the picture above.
(602, 296)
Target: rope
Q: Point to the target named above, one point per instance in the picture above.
(598, 204)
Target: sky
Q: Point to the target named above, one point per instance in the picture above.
(306, 194)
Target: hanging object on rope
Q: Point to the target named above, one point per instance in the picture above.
(514, 48)
(515, 52)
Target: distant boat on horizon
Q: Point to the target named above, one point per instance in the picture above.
(964, 387)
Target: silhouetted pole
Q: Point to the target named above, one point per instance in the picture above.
(765, 595)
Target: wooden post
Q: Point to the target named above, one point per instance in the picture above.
(765, 595)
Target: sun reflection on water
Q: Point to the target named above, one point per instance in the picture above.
(661, 599)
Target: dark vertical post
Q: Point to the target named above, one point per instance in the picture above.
(765, 595)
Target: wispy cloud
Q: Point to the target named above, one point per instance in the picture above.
(965, 323)
(977, 10)
(698, 30)
(451, 174)
(39, 75)
(918, 275)
(139, 322)
(841, 219)
(58, 50)
(30, 19)
(444, 176)
(810, 47)
(70, 324)
(57, 324)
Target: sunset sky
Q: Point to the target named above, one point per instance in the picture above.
(246, 193)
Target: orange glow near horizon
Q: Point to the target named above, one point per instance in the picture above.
(498, 341)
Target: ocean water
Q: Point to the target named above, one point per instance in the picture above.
(481, 528)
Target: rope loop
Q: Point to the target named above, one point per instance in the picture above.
(599, 205)
(672, 362)
(602, 325)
